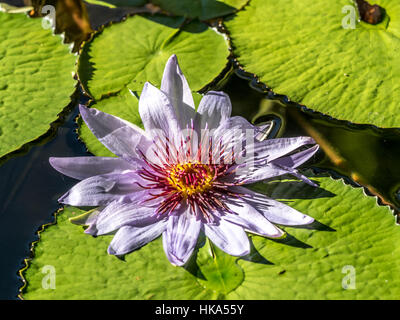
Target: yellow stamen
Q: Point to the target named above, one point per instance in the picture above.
(191, 178)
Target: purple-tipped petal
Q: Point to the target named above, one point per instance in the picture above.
(117, 215)
(175, 86)
(84, 167)
(180, 237)
(303, 178)
(250, 219)
(130, 238)
(272, 149)
(101, 190)
(296, 159)
(268, 171)
(229, 237)
(237, 122)
(262, 158)
(273, 210)
(157, 112)
(214, 108)
(281, 166)
(119, 136)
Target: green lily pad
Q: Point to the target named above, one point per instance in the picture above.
(310, 52)
(107, 69)
(354, 246)
(36, 80)
(202, 9)
(218, 271)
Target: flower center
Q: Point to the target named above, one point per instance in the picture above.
(191, 178)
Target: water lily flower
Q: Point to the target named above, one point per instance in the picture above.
(183, 175)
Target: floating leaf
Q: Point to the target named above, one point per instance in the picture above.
(36, 80)
(310, 52)
(354, 243)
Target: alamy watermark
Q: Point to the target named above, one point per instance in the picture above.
(49, 280)
(349, 280)
(349, 20)
(49, 21)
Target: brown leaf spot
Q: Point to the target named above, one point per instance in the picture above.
(372, 14)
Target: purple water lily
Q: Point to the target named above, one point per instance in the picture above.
(182, 175)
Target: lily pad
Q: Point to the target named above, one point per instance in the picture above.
(351, 253)
(36, 80)
(107, 69)
(319, 55)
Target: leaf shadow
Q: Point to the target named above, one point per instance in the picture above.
(315, 225)
(292, 241)
(255, 256)
(192, 266)
(290, 190)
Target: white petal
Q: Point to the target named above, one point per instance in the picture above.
(296, 159)
(119, 136)
(176, 87)
(249, 218)
(101, 190)
(267, 158)
(84, 167)
(117, 215)
(229, 237)
(129, 238)
(270, 170)
(273, 210)
(272, 149)
(157, 112)
(214, 108)
(180, 237)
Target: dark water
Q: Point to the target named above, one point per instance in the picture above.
(29, 188)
